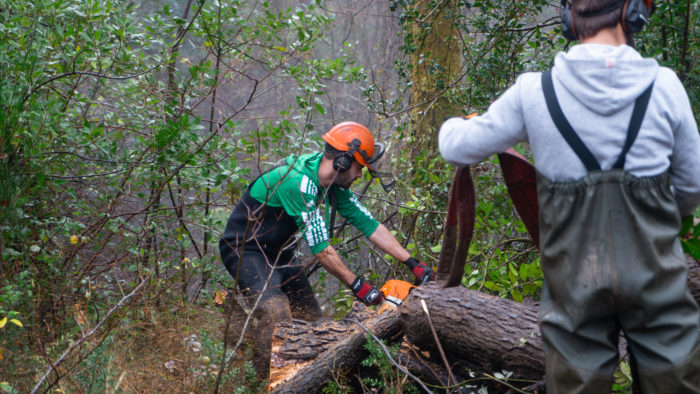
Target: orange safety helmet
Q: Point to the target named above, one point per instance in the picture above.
(356, 139)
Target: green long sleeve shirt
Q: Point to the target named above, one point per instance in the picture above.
(295, 187)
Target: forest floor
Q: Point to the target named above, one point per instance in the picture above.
(176, 349)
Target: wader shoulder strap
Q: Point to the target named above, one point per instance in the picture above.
(640, 107)
(563, 125)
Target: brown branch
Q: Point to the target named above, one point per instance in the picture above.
(450, 378)
(388, 355)
(684, 52)
(402, 206)
(86, 336)
(179, 213)
(227, 359)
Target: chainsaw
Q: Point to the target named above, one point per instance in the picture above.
(395, 291)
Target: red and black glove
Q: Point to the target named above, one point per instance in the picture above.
(366, 292)
(423, 273)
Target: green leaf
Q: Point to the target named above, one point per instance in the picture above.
(512, 276)
(623, 375)
(691, 247)
(512, 270)
(686, 225)
(517, 295)
(523, 271)
(9, 252)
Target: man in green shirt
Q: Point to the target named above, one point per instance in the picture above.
(259, 244)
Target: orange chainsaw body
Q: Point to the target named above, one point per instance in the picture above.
(395, 291)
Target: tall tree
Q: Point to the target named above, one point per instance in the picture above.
(436, 60)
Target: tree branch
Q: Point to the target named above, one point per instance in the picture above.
(87, 336)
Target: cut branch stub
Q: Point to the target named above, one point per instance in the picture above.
(459, 227)
(521, 180)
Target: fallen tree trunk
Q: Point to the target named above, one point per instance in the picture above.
(489, 332)
(477, 330)
(306, 356)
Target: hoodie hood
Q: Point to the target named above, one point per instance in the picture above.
(604, 78)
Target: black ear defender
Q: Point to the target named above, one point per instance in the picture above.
(565, 17)
(343, 161)
(635, 14)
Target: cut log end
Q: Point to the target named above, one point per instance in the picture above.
(305, 356)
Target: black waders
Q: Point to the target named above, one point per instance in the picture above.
(612, 261)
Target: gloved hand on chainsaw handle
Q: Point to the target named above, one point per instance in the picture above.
(366, 292)
(423, 273)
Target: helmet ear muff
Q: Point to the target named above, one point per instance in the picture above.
(343, 161)
(566, 19)
(635, 15)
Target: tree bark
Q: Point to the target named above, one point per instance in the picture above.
(306, 356)
(436, 63)
(489, 332)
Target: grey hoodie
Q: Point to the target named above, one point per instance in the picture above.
(596, 86)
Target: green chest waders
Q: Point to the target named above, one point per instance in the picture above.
(612, 261)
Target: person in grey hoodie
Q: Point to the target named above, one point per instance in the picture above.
(617, 153)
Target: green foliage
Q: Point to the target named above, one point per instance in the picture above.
(204, 367)
(334, 387)
(7, 388)
(94, 373)
(672, 36)
(498, 40)
(127, 131)
(502, 258)
(129, 128)
(623, 378)
(389, 379)
(690, 236)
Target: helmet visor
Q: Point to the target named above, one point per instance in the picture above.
(380, 167)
